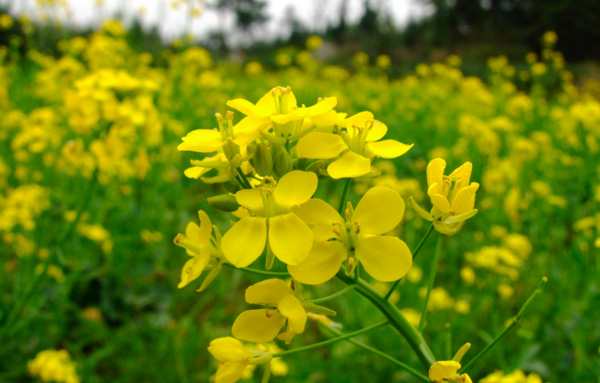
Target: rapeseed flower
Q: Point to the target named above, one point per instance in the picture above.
(263, 325)
(205, 250)
(446, 370)
(234, 358)
(357, 238)
(452, 197)
(358, 144)
(268, 215)
(53, 366)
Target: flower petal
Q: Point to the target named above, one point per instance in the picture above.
(258, 326)
(245, 241)
(291, 308)
(196, 172)
(349, 166)
(321, 107)
(295, 188)
(205, 229)
(268, 292)
(248, 108)
(379, 211)
(377, 132)
(439, 371)
(435, 172)
(230, 372)
(358, 119)
(322, 264)
(202, 141)
(438, 200)
(386, 259)
(192, 233)
(320, 146)
(228, 349)
(250, 198)
(248, 129)
(290, 238)
(465, 199)
(193, 268)
(386, 149)
(319, 216)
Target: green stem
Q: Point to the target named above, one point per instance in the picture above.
(417, 250)
(513, 323)
(331, 341)
(436, 258)
(382, 354)
(333, 296)
(259, 272)
(395, 317)
(344, 195)
(244, 180)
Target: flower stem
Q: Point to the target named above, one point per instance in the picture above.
(395, 317)
(513, 323)
(330, 341)
(244, 180)
(344, 195)
(384, 355)
(414, 255)
(333, 296)
(259, 272)
(436, 258)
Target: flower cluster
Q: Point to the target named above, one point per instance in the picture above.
(53, 366)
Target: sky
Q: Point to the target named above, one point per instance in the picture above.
(173, 22)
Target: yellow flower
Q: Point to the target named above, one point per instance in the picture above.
(263, 325)
(53, 366)
(314, 42)
(452, 197)
(204, 248)
(357, 238)
(446, 370)
(357, 145)
(269, 207)
(278, 109)
(234, 358)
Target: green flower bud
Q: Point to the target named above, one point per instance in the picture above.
(224, 202)
(263, 161)
(316, 166)
(283, 163)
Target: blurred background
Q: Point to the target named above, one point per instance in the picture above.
(96, 95)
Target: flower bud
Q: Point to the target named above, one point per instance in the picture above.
(224, 202)
(263, 161)
(316, 166)
(283, 163)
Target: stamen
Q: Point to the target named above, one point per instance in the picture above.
(357, 226)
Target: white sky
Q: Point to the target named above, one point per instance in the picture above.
(314, 13)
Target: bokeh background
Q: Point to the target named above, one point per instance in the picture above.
(95, 97)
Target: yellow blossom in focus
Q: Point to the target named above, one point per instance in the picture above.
(263, 325)
(446, 370)
(234, 358)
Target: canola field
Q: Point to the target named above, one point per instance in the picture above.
(94, 192)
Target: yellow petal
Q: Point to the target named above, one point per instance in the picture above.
(202, 141)
(258, 326)
(358, 119)
(205, 229)
(438, 200)
(443, 370)
(250, 198)
(248, 108)
(465, 199)
(463, 173)
(319, 216)
(461, 217)
(386, 259)
(291, 308)
(248, 129)
(379, 211)
(192, 233)
(230, 372)
(386, 149)
(321, 107)
(267, 101)
(196, 172)
(290, 238)
(245, 241)
(326, 119)
(435, 172)
(228, 349)
(193, 268)
(349, 166)
(295, 188)
(420, 211)
(268, 292)
(320, 146)
(377, 132)
(322, 264)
